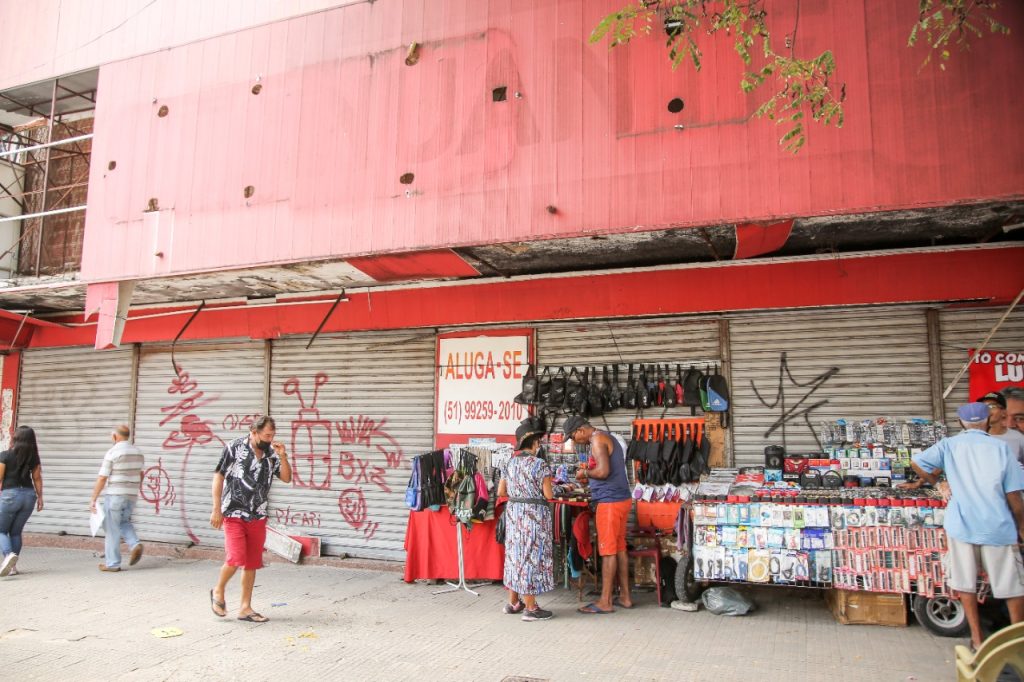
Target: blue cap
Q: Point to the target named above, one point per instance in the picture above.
(972, 413)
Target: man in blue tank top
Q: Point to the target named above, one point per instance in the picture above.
(609, 490)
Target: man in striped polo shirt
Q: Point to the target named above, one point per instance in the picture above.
(121, 475)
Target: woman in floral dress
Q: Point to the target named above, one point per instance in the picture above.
(529, 555)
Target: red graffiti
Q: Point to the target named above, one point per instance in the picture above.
(191, 432)
(311, 439)
(156, 486)
(296, 518)
(356, 470)
(239, 422)
(352, 505)
(362, 430)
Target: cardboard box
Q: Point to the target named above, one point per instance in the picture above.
(867, 608)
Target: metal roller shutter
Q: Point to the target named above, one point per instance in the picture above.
(961, 330)
(881, 368)
(182, 424)
(594, 344)
(352, 433)
(73, 398)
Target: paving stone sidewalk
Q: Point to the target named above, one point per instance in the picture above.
(61, 619)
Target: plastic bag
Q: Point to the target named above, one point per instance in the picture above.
(725, 601)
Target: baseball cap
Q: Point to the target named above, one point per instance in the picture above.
(998, 397)
(972, 413)
(574, 422)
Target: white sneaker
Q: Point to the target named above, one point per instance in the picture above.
(10, 561)
(680, 605)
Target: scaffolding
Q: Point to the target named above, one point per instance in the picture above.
(47, 155)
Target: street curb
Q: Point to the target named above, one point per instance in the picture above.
(178, 551)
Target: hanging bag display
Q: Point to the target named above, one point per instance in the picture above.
(575, 393)
(679, 385)
(556, 396)
(670, 388)
(691, 389)
(630, 397)
(718, 395)
(643, 398)
(595, 400)
(528, 394)
(703, 383)
(606, 390)
(544, 387)
(414, 489)
(614, 392)
(652, 386)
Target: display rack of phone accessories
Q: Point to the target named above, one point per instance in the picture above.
(869, 540)
(876, 450)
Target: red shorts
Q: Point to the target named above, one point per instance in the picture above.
(611, 526)
(243, 543)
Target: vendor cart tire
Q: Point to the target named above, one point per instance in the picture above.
(686, 587)
(941, 615)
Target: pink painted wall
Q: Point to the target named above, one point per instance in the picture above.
(340, 117)
(42, 39)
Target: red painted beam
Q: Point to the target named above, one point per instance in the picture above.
(987, 275)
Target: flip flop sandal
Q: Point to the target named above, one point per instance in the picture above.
(592, 609)
(214, 605)
(254, 618)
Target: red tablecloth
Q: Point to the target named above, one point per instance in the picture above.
(431, 549)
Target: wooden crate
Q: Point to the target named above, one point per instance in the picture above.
(867, 608)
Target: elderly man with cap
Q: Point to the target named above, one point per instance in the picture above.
(997, 424)
(609, 490)
(985, 518)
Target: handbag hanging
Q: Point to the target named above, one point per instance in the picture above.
(528, 394)
(556, 396)
(614, 392)
(575, 393)
(630, 396)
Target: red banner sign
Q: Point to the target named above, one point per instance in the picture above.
(994, 370)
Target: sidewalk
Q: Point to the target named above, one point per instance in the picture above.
(62, 619)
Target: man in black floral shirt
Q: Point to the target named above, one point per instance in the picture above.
(241, 490)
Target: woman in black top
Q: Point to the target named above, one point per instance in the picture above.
(21, 490)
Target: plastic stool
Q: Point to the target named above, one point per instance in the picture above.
(1004, 648)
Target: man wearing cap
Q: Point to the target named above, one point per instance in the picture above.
(997, 427)
(985, 517)
(609, 490)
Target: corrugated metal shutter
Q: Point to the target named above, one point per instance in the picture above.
(594, 344)
(881, 358)
(961, 330)
(352, 438)
(73, 398)
(182, 424)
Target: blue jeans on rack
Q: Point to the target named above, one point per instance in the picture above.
(16, 505)
(118, 521)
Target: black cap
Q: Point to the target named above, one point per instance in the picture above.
(998, 397)
(526, 429)
(572, 424)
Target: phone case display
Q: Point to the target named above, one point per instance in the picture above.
(761, 542)
(876, 451)
(869, 542)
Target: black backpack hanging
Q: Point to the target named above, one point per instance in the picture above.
(544, 387)
(529, 392)
(630, 397)
(607, 399)
(670, 457)
(691, 389)
(643, 397)
(614, 392)
(595, 396)
(575, 393)
(670, 388)
(652, 386)
(701, 456)
(686, 467)
(556, 396)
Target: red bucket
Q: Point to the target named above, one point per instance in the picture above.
(661, 515)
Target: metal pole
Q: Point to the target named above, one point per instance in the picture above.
(47, 145)
(43, 214)
(46, 177)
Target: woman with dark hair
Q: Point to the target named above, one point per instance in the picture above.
(21, 489)
(529, 555)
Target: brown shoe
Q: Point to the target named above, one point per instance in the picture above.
(108, 569)
(135, 555)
